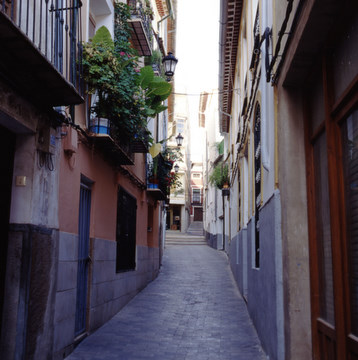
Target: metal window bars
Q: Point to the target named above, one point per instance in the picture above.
(54, 28)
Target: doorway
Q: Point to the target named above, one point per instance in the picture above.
(83, 255)
(126, 231)
(332, 187)
(7, 147)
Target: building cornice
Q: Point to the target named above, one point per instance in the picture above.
(230, 17)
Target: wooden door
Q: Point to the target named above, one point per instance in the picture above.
(126, 231)
(198, 214)
(83, 257)
(332, 184)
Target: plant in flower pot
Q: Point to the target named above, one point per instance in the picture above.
(98, 71)
(155, 61)
(219, 177)
(172, 155)
(111, 71)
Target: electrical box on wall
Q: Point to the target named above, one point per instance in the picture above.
(70, 139)
(46, 140)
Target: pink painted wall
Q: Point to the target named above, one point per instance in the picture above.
(104, 195)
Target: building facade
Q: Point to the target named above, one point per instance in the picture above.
(75, 247)
(287, 110)
(178, 216)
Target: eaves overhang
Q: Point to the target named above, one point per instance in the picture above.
(230, 17)
(302, 48)
(165, 7)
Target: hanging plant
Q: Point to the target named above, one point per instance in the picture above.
(220, 176)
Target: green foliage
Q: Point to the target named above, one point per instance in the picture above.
(219, 175)
(125, 95)
(103, 38)
(172, 155)
(220, 147)
(155, 90)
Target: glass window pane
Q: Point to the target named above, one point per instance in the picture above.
(350, 165)
(323, 229)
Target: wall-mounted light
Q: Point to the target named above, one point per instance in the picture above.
(169, 62)
(179, 139)
(176, 168)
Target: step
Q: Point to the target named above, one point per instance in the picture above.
(187, 240)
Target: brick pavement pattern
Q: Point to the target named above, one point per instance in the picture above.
(192, 311)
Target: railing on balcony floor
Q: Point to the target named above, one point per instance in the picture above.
(161, 190)
(54, 28)
(107, 140)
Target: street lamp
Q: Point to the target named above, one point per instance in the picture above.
(176, 168)
(179, 139)
(169, 62)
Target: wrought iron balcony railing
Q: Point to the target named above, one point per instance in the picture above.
(141, 27)
(114, 147)
(158, 185)
(39, 38)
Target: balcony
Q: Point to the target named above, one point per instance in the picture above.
(40, 47)
(140, 143)
(158, 187)
(116, 150)
(140, 22)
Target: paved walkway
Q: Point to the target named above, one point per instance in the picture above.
(192, 311)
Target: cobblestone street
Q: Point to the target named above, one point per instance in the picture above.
(193, 310)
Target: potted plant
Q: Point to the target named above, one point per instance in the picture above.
(98, 57)
(155, 61)
(220, 176)
(124, 94)
(111, 71)
(152, 175)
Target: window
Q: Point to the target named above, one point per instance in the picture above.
(349, 133)
(91, 27)
(180, 126)
(196, 196)
(196, 176)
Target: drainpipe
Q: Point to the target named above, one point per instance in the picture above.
(223, 221)
(171, 13)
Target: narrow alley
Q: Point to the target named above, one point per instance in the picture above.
(193, 310)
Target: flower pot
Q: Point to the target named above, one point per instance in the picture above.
(225, 191)
(100, 126)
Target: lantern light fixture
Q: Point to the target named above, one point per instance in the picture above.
(176, 168)
(179, 139)
(169, 62)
